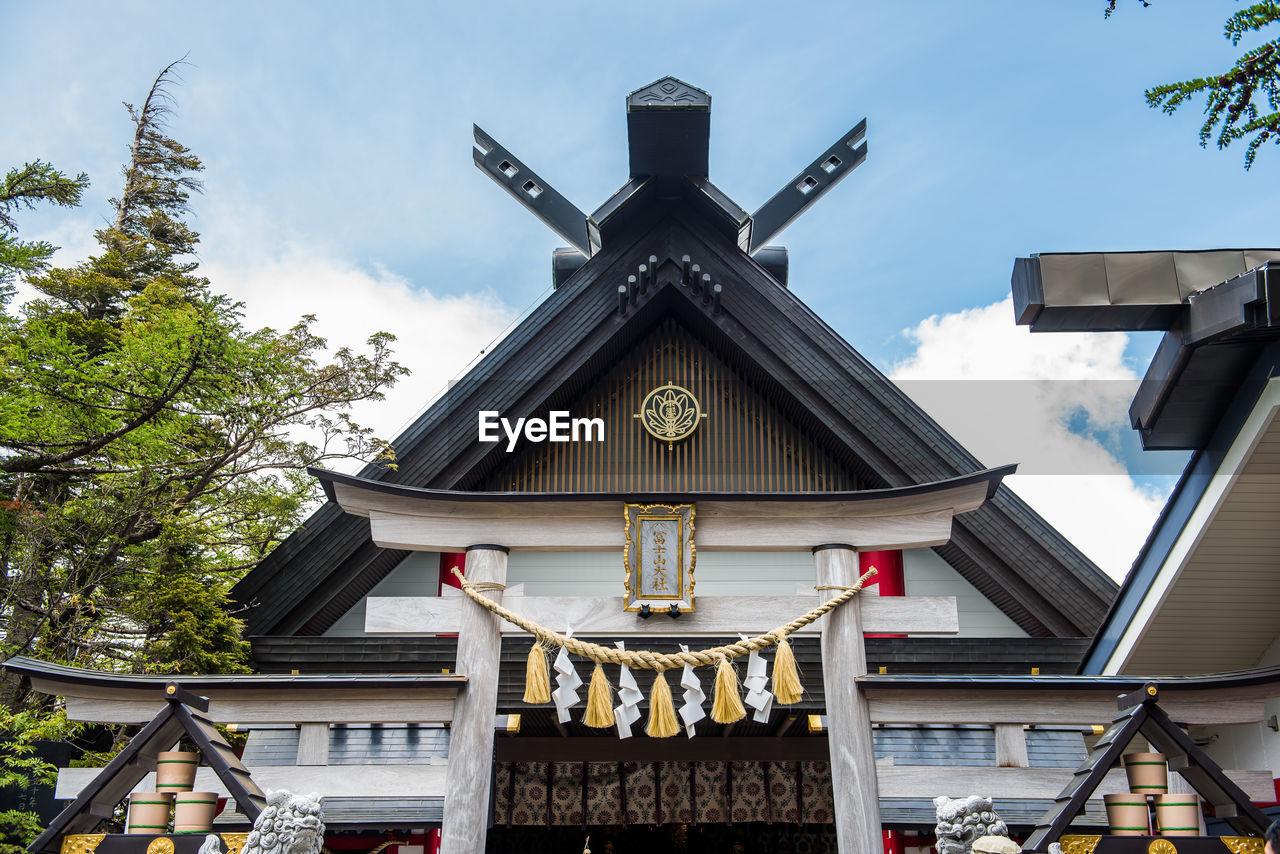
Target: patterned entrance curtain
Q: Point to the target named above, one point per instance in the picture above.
(629, 794)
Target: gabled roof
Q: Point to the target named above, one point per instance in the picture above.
(1004, 549)
(1140, 713)
(183, 713)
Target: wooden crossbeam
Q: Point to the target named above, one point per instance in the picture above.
(715, 615)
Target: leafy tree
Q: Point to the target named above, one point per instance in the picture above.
(22, 768)
(149, 442)
(149, 450)
(20, 731)
(1242, 102)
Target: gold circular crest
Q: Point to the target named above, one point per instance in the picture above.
(160, 845)
(1161, 846)
(670, 413)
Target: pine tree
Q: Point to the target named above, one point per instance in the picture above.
(148, 439)
(22, 189)
(1242, 102)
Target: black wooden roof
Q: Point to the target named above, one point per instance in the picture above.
(770, 336)
(1218, 309)
(1004, 549)
(329, 479)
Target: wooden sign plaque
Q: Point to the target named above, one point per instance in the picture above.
(659, 555)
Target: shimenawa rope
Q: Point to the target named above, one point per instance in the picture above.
(660, 662)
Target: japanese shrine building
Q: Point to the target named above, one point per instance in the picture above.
(672, 365)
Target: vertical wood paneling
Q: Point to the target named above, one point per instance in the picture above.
(745, 443)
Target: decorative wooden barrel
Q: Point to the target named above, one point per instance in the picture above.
(1148, 773)
(193, 812)
(149, 812)
(176, 770)
(1178, 815)
(1127, 815)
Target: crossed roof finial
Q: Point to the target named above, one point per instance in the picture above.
(668, 133)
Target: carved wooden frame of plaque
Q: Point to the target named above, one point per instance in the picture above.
(666, 522)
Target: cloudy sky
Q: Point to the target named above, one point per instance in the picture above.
(337, 142)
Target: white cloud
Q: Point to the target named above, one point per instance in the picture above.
(437, 337)
(1048, 403)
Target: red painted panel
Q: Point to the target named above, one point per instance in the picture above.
(889, 580)
(889, 575)
(448, 560)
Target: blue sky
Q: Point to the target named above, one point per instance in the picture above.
(337, 142)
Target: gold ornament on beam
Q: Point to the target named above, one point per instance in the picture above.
(81, 843)
(1243, 844)
(670, 413)
(1079, 844)
(160, 845)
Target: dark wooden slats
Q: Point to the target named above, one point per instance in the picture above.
(744, 443)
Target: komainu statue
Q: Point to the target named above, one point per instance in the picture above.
(289, 824)
(961, 821)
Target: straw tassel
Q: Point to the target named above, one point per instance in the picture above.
(786, 678)
(599, 700)
(727, 707)
(537, 681)
(662, 711)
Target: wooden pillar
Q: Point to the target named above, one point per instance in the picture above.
(1011, 746)
(313, 744)
(854, 786)
(468, 778)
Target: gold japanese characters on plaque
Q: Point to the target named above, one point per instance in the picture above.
(659, 556)
(670, 413)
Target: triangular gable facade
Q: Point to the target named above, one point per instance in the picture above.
(833, 407)
(750, 445)
(183, 714)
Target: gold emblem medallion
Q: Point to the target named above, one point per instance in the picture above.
(670, 413)
(1161, 846)
(160, 845)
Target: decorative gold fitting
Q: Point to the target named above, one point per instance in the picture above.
(1161, 846)
(81, 843)
(160, 845)
(1079, 844)
(1243, 844)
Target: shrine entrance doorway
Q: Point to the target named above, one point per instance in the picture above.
(750, 838)
(735, 807)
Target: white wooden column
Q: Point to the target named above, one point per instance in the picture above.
(854, 786)
(467, 780)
